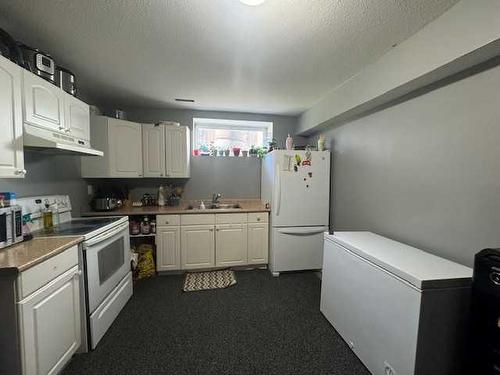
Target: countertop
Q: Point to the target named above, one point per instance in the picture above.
(20, 257)
(247, 205)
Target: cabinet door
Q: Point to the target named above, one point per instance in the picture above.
(231, 245)
(125, 148)
(197, 246)
(153, 150)
(258, 243)
(168, 248)
(11, 123)
(177, 151)
(77, 120)
(43, 103)
(50, 325)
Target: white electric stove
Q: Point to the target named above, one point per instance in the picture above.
(104, 261)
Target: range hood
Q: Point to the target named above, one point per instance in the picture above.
(44, 139)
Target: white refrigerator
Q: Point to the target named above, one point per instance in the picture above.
(296, 184)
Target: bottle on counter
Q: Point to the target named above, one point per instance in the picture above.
(48, 220)
(289, 142)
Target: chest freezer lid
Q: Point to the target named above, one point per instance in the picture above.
(417, 267)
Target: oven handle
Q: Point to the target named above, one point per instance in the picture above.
(106, 235)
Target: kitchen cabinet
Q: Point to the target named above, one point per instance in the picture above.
(50, 325)
(11, 125)
(230, 245)
(121, 142)
(197, 246)
(43, 103)
(153, 150)
(77, 117)
(258, 243)
(168, 248)
(177, 151)
(195, 241)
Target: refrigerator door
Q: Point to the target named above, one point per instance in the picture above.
(297, 248)
(301, 188)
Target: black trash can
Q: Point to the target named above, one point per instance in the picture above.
(486, 312)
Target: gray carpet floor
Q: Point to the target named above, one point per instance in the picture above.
(261, 325)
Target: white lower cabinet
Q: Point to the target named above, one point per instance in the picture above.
(231, 245)
(258, 243)
(197, 246)
(198, 241)
(50, 325)
(168, 244)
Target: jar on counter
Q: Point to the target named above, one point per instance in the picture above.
(145, 226)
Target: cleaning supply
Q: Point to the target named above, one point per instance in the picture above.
(161, 196)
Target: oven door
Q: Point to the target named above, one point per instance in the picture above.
(107, 259)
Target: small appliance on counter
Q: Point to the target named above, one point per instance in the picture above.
(11, 225)
(66, 80)
(39, 63)
(106, 204)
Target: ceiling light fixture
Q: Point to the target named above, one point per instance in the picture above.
(252, 3)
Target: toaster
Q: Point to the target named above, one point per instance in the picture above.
(39, 63)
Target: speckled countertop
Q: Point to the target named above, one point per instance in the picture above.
(20, 257)
(247, 205)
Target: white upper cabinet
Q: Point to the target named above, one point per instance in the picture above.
(125, 148)
(77, 117)
(43, 103)
(177, 151)
(11, 125)
(121, 142)
(153, 150)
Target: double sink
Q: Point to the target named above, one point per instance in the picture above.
(217, 206)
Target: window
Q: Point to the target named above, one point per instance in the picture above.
(226, 134)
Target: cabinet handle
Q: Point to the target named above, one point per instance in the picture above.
(217, 229)
(258, 219)
(211, 230)
(62, 128)
(20, 171)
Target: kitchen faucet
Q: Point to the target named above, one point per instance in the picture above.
(216, 198)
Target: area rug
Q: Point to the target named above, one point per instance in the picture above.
(219, 279)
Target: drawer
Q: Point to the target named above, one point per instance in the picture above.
(34, 278)
(231, 218)
(197, 219)
(162, 220)
(258, 217)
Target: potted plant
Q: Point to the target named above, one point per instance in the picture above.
(273, 144)
(221, 152)
(261, 152)
(244, 153)
(213, 149)
(205, 150)
(253, 151)
(236, 151)
(226, 152)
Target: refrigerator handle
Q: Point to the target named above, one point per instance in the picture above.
(300, 231)
(277, 192)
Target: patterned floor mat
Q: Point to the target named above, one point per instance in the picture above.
(220, 279)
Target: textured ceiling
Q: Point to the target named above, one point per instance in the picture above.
(280, 57)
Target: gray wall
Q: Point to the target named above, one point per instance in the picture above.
(231, 177)
(50, 174)
(426, 171)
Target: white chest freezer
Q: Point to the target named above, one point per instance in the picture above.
(401, 310)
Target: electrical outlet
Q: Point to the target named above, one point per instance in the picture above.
(90, 189)
(388, 370)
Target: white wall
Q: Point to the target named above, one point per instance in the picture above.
(426, 171)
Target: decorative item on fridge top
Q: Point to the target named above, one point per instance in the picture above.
(252, 151)
(289, 142)
(204, 150)
(227, 152)
(221, 152)
(120, 114)
(321, 142)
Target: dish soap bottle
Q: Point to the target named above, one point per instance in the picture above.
(289, 142)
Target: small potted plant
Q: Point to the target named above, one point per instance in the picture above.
(253, 151)
(221, 152)
(236, 151)
(213, 149)
(244, 153)
(204, 150)
(272, 144)
(261, 152)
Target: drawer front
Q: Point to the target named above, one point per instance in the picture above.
(197, 219)
(231, 218)
(39, 275)
(162, 220)
(258, 217)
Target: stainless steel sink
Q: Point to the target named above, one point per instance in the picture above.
(218, 206)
